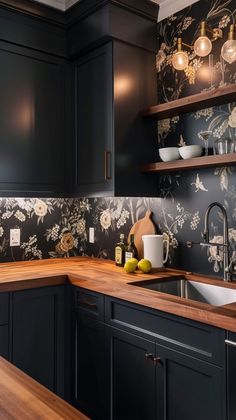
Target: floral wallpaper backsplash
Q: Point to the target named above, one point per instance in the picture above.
(58, 227)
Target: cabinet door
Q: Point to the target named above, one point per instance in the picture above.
(93, 122)
(231, 375)
(131, 382)
(4, 341)
(88, 366)
(188, 388)
(38, 335)
(31, 120)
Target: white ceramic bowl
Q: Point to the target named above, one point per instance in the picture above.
(187, 152)
(169, 153)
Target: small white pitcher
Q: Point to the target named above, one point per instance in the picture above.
(153, 247)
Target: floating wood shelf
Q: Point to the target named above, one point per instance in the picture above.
(185, 164)
(206, 99)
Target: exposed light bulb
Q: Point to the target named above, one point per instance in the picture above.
(180, 60)
(202, 46)
(228, 50)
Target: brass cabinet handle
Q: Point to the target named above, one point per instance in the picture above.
(107, 159)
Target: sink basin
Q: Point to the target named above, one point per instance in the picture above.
(188, 289)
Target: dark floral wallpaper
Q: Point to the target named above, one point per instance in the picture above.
(59, 227)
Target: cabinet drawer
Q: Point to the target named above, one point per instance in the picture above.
(90, 303)
(189, 337)
(4, 301)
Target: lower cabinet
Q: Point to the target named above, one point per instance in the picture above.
(131, 386)
(231, 375)
(157, 366)
(149, 381)
(4, 325)
(88, 380)
(4, 341)
(38, 335)
(188, 388)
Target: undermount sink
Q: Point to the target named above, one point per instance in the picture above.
(188, 289)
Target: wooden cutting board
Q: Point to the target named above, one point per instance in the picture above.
(142, 227)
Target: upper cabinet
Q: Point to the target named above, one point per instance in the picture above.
(111, 139)
(72, 86)
(112, 82)
(93, 122)
(31, 121)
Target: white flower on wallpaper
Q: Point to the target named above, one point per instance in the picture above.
(199, 184)
(195, 221)
(1, 231)
(105, 219)
(207, 113)
(40, 208)
(20, 216)
(172, 224)
(52, 233)
(30, 249)
(81, 227)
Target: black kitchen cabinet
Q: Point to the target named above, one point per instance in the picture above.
(88, 387)
(146, 364)
(110, 136)
(132, 376)
(180, 363)
(38, 335)
(149, 381)
(4, 337)
(93, 122)
(4, 325)
(188, 388)
(32, 128)
(231, 375)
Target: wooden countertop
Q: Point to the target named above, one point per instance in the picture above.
(21, 397)
(104, 277)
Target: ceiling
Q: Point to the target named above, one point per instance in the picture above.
(167, 7)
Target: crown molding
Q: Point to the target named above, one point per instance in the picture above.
(168, 7)
(57, 4)
(69, 3)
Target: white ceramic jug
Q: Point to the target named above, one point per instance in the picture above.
(153, 249)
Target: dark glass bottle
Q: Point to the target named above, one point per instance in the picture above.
(131, 250)
(120, 251)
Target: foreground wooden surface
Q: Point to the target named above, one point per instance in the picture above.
(21, 397)
(103, 276)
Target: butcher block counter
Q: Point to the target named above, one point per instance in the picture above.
(102, 276)
(18, 391)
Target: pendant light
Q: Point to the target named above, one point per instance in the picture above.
(202, 45)
(180, 58)
(228, 50)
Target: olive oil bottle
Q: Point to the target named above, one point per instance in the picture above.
(120, 251)
(131, 250)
